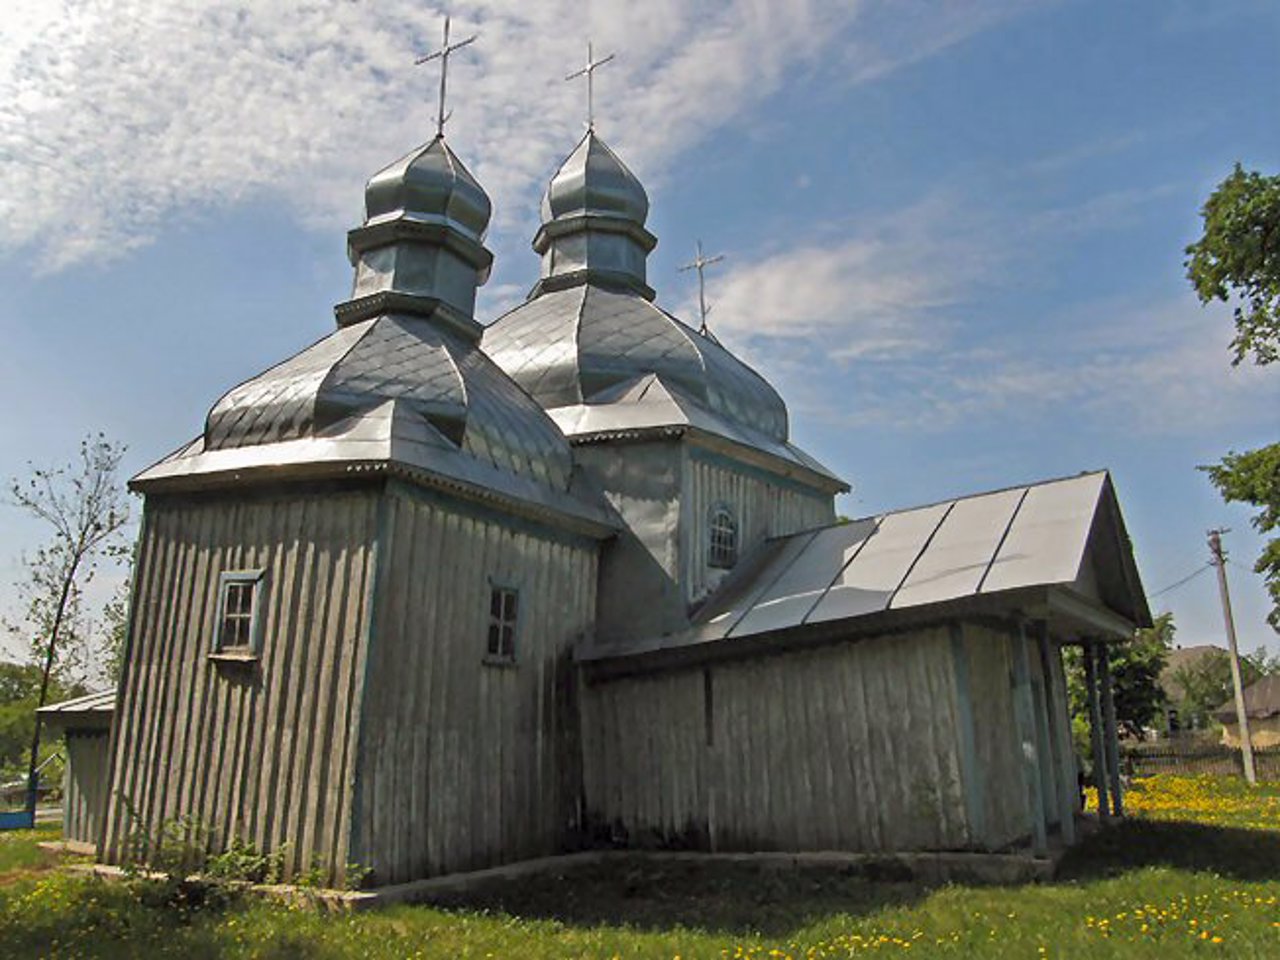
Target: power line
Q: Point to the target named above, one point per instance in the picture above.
(1178, 583)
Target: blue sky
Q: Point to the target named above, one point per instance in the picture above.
(953, 231)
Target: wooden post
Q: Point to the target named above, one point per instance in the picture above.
(1059, 716)
(1111, 735)
(1095, 727)
(975, 805)
(1024, 713)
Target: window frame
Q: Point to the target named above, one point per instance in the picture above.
(503, 589)
(716, 552)
(255, 579)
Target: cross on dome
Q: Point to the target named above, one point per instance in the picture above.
(442, 55)
(700, 263)
(588, 71)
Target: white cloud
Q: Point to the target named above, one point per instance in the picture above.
(890, 318)
(116, 115)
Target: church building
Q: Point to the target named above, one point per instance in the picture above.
(430, 596)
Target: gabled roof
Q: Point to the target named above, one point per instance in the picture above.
(1261, 700)
(1058, 547)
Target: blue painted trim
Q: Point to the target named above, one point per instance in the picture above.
(971, 781)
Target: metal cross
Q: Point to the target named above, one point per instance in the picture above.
(700, 263)
(443, 54)
(587, 71)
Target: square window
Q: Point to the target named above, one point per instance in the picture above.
(504, 612)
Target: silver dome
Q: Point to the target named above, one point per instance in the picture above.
(439, 375)
(594, 182)
(568, 347)
(433, 185)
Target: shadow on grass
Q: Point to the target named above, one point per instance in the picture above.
(714, 897)
(1251, 855)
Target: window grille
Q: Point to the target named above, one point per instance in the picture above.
(723, 551)
(504, 613)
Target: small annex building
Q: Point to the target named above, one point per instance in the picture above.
(84, 723)
(430, 596)
(1262, 711)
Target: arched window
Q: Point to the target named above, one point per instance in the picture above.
(722, 549)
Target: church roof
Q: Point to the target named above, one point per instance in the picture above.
(593, 181)
(879, 573)
(429, 184)
(576, 346)
(396, 390)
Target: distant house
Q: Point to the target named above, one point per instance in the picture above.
(1262, 706)
(85, 723)
(1183, 658)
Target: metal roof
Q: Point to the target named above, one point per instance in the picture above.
(594, 182)
(580, 345)
(1061, 533)
(429, 184)
(93, 709)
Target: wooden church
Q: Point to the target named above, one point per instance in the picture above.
(430, 596)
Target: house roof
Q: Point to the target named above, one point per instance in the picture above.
(91, 710)
(1060, 544)
(1261, 700)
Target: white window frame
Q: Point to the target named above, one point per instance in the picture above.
(501, 622)
(228, 581)
(721, 555)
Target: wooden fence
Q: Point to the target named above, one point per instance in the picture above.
(1190, 757)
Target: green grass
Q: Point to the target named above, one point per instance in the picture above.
(19, 851)
(1146, 889)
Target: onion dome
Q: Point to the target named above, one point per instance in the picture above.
(421, 248)
(593, 218)
(594, 182)
(430, 184)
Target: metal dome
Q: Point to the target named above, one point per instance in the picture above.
(573, 346)
(442, 377)
(594, 182)
(430, 184)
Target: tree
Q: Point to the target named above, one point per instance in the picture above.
(85, 508)
(1206, 684)
(1239, 255)
(1253, 477)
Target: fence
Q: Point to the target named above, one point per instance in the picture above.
(1190, 757)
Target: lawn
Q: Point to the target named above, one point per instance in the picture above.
(1158, 886)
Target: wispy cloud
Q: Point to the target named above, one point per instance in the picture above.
(894, 316)
(117, 115)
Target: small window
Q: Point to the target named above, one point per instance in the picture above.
(723, 548)
(238, 612)
(504, 614)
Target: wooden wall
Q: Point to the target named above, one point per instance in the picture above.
(465, 763)
(262, 751)
(851, 746)
(84, 785)
(765, 506)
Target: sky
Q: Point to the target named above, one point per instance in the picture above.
(953, 231)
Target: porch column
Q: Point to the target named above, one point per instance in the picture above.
(1059, 714)
(1110, 733)
(1100, 777)
(1024, 715)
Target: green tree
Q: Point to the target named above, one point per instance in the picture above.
(1239, 256)
(84, 508)
(1254, 478)
(1206, 685)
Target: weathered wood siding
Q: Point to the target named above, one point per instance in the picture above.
(851, 746)
(466, 763)
(263, 752)
(765, 506)
(84, 785)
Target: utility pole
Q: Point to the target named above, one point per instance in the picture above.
(1246, 744)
